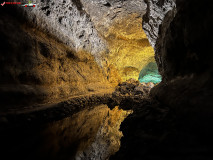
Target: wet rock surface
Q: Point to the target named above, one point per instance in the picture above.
(50, 63)
(81, 128)
(153, 131)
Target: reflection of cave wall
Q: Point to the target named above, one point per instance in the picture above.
(89, 134)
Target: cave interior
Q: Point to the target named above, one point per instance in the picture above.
(106, 80)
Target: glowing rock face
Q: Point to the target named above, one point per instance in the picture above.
(150, 74)
(129, 49)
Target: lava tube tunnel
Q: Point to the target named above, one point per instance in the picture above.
(106, 79)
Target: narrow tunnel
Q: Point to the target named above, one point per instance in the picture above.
(109, 79)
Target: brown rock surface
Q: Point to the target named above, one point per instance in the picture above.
(36, 67)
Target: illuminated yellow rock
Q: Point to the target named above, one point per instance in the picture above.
(129, 49)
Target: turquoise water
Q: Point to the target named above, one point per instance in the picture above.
(150, 74)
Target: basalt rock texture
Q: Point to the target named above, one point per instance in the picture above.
(156, 22)
(156, 12)
(119, 23)
(68, 21)
(174, 123)
(63, 48)
(37, 66)
(106, 29)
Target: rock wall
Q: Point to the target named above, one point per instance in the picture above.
(99, 28)
(63, 48)
(119, 23)
(68, 21)
(156, 12)
(183, 54)
(36, 64)
(156, 22)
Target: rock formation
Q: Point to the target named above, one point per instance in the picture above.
(36, 64)
(156, 12)
(183, 48)
(119, 23)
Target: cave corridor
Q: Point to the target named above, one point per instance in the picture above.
(106, 80)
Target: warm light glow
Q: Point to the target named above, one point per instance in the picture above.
(129, 48)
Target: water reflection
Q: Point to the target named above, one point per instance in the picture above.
(90, 134)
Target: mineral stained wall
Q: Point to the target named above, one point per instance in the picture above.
(63, 48)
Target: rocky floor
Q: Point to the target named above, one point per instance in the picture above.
(131, 90)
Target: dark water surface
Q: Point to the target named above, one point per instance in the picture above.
(89, 134)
